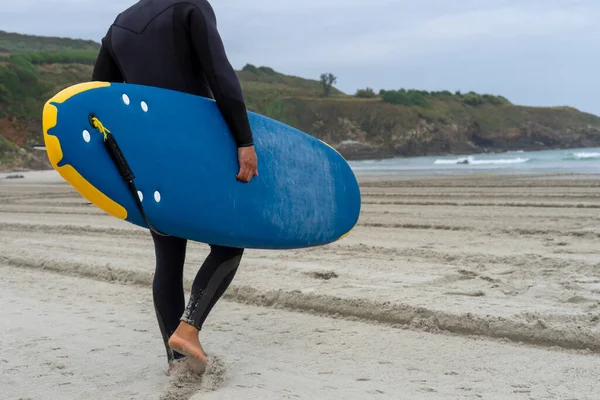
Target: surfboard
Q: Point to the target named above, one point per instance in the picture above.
(183, 160)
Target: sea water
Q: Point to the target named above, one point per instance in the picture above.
(569, 161)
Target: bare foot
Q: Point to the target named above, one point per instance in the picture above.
(185, 341)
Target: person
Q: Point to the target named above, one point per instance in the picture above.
(176, 45)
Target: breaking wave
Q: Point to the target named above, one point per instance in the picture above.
(583, 155)
(472, 161)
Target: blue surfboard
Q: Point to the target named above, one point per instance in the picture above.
(184, 159)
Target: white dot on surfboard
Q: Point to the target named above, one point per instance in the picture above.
(86, 136)
(156, 196)
(141, 195)
(144, 106)
(126, 99)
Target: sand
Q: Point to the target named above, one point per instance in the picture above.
(448, 288)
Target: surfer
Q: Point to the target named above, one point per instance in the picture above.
(176, 45)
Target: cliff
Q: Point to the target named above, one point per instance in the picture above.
(362, 125)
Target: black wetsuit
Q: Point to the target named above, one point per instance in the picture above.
(175, 45)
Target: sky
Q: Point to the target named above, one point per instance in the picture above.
(534, 52)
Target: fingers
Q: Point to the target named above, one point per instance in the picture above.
(247, 171)
(242, 176)
(248, 164)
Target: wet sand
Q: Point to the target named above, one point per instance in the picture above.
(449, 287)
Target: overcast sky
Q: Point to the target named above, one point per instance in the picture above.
(535, 52)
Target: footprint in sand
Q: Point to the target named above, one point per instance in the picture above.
(323, 275)
(186, 383)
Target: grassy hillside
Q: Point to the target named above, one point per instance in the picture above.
(364, 124)
(15, 43)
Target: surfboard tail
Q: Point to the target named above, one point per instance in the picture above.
(54, 150)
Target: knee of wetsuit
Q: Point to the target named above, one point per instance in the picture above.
(223, 253)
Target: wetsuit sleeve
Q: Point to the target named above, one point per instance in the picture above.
(106, 68)
(222, 79)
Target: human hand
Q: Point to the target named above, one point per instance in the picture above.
(248, 164)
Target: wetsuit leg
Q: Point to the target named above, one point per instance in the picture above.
(211, 281)
(167, 287)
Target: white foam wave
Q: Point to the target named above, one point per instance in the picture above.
(451, 162)
(585, 155)
(472, 161)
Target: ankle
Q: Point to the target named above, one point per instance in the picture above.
(186, 330)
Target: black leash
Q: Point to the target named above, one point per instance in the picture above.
(125, 171)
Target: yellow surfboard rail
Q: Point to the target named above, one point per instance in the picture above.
(55, 154)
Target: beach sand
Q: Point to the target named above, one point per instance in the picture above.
(455, 287)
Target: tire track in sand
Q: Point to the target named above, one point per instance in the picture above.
(534, 331)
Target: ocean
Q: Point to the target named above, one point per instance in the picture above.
(581, 161)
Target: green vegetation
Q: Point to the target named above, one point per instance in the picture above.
(265, 79)
(15, 42)
(367, 93)
(59, 57)
(423, 98)
(391, 122)
(327, 81)
(8, 151)
(6, 146)
(404, 97)
(27, 80)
